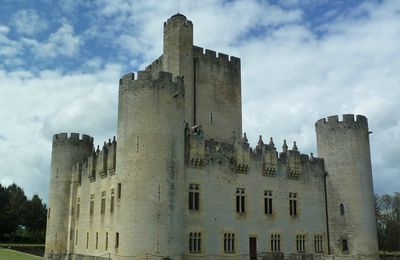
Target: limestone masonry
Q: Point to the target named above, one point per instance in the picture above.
(183, 182)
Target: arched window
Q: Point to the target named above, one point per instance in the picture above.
(341, 209)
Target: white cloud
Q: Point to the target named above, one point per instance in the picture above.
(291, 77)
(28, 22)
(63, 42)
(37, 106)
(9, 49)
(4, 29)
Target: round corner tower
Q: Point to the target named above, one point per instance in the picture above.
(344, 146)
(66, 152)
(150, 161)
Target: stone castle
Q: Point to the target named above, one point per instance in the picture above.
(183, 182)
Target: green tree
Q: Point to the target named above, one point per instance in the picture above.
(388, 221)
(34, 218)
(15, 209)
(4, 209)
(21, 220)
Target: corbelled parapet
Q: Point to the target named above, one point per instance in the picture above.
(242, 155)
(77, 174)
(91, 167)
(100, 163)
(270, 159)
(293, 164)
(196, 148)
(239, 156)
(111, 155)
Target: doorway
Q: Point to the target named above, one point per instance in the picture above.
(253, 248)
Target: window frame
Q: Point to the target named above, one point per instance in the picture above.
(229, 243)
(293, 205)
(240, 200)
(194, 197)
(195, 242)
(103, 203)
(275, 245)
(268, 208)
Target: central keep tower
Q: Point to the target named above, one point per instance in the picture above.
(178, 57)
(211, 81)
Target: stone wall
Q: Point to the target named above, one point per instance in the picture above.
(218, 179)
(344, 145)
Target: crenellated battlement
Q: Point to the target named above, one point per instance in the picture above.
(348, 122)
(146, 79)
(74, 138)
(156, 65)
(219, 59)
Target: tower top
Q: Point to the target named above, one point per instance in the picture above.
(178, 15)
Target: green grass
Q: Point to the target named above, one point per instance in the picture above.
(7, 254)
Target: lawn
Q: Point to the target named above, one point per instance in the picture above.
(7, 254)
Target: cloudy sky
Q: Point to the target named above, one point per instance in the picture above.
(60, 62)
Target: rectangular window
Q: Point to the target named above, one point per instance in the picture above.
(119, 190)
(275, 243)
(194, 195)
(97, 240)
(293, 204)
(76, 237)
(116, 240)
(87, 240)
(240, 200)
(345, 246)
(268, 202)
(91, 204)
(301, 243)
(318, 243)
(103, 202)
(229, 243)
(112, 201)
(48, 214)
(106, 240)
(78, 207)
(195, 242)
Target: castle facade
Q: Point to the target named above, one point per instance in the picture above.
(182, 181)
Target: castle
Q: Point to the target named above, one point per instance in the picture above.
(182, 181)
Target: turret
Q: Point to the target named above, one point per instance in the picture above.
(344, 146)
(178, 58)
(150, 161)
(66, 152)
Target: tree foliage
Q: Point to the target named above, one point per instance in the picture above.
(21, 219)
(388, 221)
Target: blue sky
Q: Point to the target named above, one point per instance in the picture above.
(60, 62)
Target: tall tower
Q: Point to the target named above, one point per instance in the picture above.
(178, 58)
(66, 152)
(150, 164)
(344, 146)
